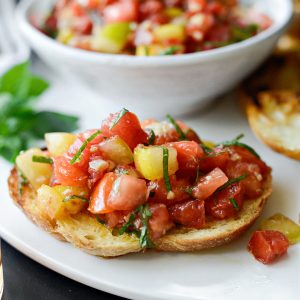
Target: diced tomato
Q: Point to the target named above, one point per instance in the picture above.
(128, 192)
(88, 150)
(149, 8)
(219, 33)
(115, 218)
(198, 25)
(221, 207)
(66, 174)
(160, 221)
(127, 127)
(244, 155)
(253, 184)
(98, 202)
(209, 183)
(268, 245)
(188, 155)
(190, 133)
(217, 159)
(126, 169)
(158, 189)
(96, 170)
(121, 11)
(83, 25)
(196, 5)
(190, 213)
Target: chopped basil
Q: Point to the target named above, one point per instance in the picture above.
(22, 180)
(189, 190)
(207, 150)
(234, 204)
(235, 142)
(232, 181)
(151, 137)
(182, 135)
(83, 146)
(169, 51)
(145, 239)
(144, 234)
(166, 169)
(198, 174)
(123, 112)
(129, 223)
(42, 159)
(243, 33)
(100, 221)
(72, 197)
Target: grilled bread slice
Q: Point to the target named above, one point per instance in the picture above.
(85, 232)
(275, 119)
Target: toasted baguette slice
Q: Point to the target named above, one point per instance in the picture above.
(275, 119)
(85, 232)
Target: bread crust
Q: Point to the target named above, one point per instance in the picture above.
(84, 232)
(265, 130)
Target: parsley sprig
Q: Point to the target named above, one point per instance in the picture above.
(181, 134)
(21, 124)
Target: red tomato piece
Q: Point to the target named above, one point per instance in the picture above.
(98, 202)
(268, 245)
(188, 155)
(115, 218)
(219, 205)
(83, 25)
(253, 184)
(66, 174)
(149, 8)
(88, 150)
(190, 213)
(209, 183)
(121, 11)
(127, 127)
(190, 133)
(158, 189)
(160, 221)
(196, 5)
(244, 155)
(128, 192)
(218, 159)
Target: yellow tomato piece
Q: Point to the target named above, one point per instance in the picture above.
(111, 38)
(283, 224)
(149, 161)
(36, 173)
(116, 150)
(58, 143)
(169, 32)
(173, 12)
(60, 201)
(142, 50)
(65, 35)
(209, 144)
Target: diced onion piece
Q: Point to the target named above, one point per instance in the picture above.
(149, 161)
(36, 173)
(116, 150)
(58, 143)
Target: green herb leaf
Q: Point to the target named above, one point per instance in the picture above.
(83, 146)
(189, 190)
(207, 150)
(42, 159)
(72, 197)
(182, 135)
(22, 180)
(234, 204)
(232, 181)
(166, 169)
(145, 239)
(169, 51)
(21, 126)
(235, 142)
(129, 223)
(151, 137)
(123, 112)
(100, 221)
(243, 33)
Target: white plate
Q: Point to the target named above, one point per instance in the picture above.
(229, 272)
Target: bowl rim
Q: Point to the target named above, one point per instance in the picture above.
(139, 61)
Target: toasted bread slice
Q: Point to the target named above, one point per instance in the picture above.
(85, 232)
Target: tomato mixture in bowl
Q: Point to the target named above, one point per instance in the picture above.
(152, 27)
(144, 178)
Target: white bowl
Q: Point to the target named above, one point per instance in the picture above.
(155, 86)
